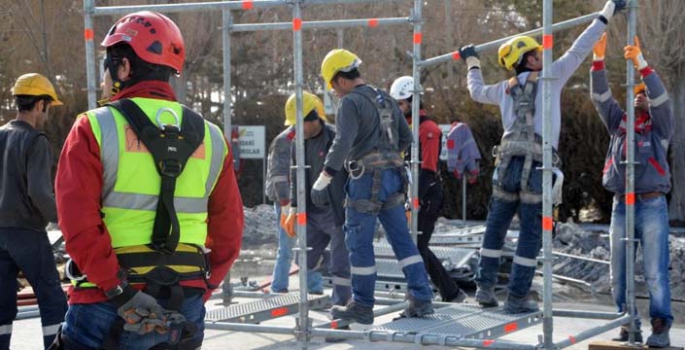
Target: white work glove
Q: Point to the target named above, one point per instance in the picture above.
(611, 7)
(322, 182)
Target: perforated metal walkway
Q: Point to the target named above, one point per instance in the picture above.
(465, 321)
(265, 309)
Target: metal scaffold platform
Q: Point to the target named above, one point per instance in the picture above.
(266, 309)
(456, 325)
(467, 320)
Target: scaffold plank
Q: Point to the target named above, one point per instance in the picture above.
(466, 321)
(265, 309)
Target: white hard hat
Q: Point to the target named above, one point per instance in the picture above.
(402, 88)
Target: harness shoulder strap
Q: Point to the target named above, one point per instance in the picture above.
(171, 146)
(385, 115)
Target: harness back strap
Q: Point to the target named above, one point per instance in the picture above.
(386, 137)
(171, 146)
(524, 124)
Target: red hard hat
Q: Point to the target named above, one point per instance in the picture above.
(154, 37)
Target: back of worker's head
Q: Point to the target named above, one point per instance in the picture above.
(518, 53)
(31, 88)
(150, 42)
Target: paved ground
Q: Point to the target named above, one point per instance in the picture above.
(27, 334)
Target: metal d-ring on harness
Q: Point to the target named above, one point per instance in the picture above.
(522, 141)
(384, 156)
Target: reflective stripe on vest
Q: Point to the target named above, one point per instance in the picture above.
(131, 183)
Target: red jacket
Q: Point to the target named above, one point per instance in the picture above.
(430, 138)
(78, 189)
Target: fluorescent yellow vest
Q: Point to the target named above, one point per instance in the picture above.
(131, 183)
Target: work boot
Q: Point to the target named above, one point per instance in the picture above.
(659, 337)
(516, 305)
(280, 291)
(353, 312)
(418, 308)
(337, 340)
(485, 296)
(623, 335)
(459, 298)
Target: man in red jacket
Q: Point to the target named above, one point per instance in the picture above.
(430, 188)
(147, 201)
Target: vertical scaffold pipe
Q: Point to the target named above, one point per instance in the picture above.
(630, 173)
(227, 23)
(303, 326)
(547, 202)
(415, 110)
(88, 36)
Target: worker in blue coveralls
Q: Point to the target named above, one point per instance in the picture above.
(371, 132)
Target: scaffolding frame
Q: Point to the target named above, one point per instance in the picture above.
(303, 329)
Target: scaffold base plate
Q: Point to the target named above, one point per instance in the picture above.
(265, 309)
(465, 321)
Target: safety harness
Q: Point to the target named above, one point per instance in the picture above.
(165, 262)
(385, 155)
(522, 142)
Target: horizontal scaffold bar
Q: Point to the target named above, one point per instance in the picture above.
(454, 56)
(220, 5)
(368, 22)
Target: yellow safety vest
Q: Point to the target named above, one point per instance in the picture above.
(131, 183)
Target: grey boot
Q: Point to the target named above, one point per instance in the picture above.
(659, 337)
(353, 312)
(623, 335)
(516, 305)
(485, 296)
(418, 308)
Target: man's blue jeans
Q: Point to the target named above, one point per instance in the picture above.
(284, 260)
(651, 230)
(89, 325)
(360, 228)
(500, 214)
(30, 252)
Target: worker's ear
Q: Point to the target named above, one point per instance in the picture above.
(124, 70)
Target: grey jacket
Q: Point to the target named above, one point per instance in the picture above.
(278, 170)
(27, 199)
(316, 149)
(357, 127)
(462, 151)
(652, 173)
(561, 69)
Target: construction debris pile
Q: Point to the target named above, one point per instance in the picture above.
(569, 238)
(572, 239)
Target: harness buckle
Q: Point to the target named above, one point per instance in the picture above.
(72, 272)
(170, 167)
(356, 169)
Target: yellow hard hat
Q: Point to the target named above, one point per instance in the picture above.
(511, 52)
(34, 84)
(639, 88)
(338, 60)
(310, 102)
